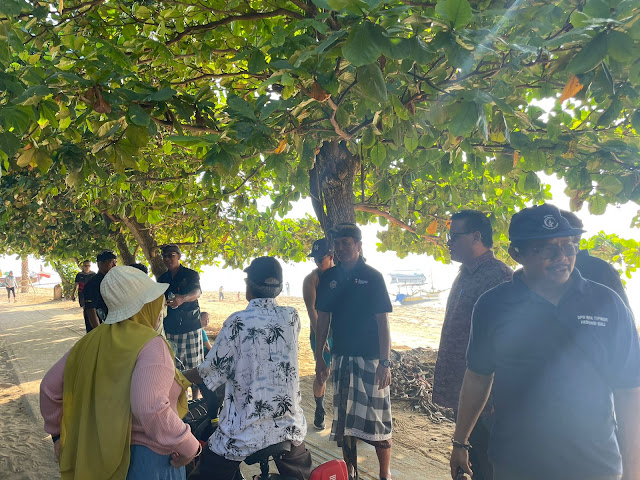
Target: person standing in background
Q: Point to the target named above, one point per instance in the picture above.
(594, 268)
(469, 240)
(94, 307)
(11, 284)
(221, 293)
(323, 256)
(82, 278)
(182, 324)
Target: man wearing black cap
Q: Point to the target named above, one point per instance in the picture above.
(323, 256)
(255, 357)
(560, 356)
(94, 307)
(352, 298)
(182, 323)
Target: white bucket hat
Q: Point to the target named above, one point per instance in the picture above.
(126, 290)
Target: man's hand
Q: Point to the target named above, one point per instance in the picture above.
(178, 460)
(322, 372)
(56, 450)
(176, 301)
(460, 459)
(383, 376)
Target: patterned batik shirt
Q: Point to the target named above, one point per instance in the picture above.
(255, 356)
(484, 273)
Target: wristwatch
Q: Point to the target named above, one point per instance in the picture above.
(385, 363)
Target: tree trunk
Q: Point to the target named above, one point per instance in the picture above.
(126, 257)
(24, 281)
(147, 243)
(331, 184)
(67, 285)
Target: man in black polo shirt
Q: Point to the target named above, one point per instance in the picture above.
(560, 356)
(594, 268)
(95, 310)
(182, 323)
(352, 298)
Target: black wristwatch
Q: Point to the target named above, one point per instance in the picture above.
(385, 363)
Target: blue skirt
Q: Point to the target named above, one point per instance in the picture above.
(148, 465)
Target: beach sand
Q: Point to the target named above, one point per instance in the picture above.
(36, 331)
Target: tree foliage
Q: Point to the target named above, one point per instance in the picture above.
(183, 115)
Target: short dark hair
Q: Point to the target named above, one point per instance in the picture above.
(106, 255)
(476, 221)
(140, 266)
(572, 218)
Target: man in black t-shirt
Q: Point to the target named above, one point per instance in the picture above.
(95, 310)
(352, 298)
(182, 323)
(81, 280)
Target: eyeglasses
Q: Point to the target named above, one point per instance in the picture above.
(552, 251)
(452, 237)
(169, 255)
(319, 260)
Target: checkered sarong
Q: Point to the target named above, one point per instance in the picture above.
(188, 347)
(359, 409)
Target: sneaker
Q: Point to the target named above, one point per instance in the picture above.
(318, 419)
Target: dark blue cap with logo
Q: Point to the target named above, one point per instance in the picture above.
(320, 248)
(540, 222)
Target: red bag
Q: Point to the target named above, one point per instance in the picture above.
(333, 470)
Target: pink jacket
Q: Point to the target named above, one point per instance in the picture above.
(154, 396)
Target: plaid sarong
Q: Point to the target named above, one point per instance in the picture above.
(188, 347)
(359, 409)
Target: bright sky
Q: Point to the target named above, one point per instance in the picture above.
(616, 220)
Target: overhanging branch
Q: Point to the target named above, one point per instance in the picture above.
(280, 12)
(396, 221)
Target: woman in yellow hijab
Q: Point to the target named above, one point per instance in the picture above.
(113, 404)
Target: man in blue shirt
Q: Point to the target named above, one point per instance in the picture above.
(561, 357)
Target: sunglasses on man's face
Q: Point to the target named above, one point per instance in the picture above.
(549, 252)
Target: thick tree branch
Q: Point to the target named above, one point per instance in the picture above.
(280, 12)
(190, 128)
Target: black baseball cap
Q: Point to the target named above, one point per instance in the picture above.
(540, 222)
(263, 268)
(106, 255)
(320, 248)
(347, 230)
(172, 247)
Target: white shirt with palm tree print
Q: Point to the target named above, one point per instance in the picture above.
(255, 356)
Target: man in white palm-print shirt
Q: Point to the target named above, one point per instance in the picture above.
(255, 356)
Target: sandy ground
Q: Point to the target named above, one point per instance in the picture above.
(36, 331)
